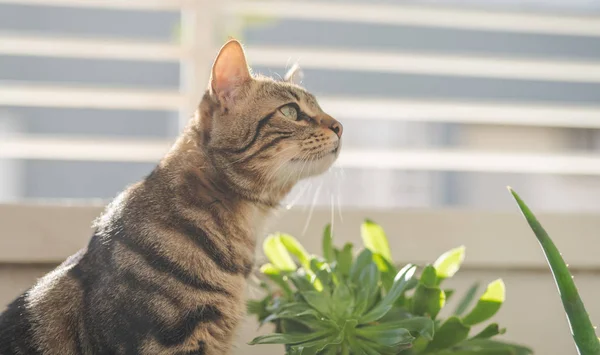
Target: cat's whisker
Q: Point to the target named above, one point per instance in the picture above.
(332, 214)
(312, 207)
(338, 184)
(298, 195)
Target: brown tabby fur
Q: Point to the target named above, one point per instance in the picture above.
(165, 270)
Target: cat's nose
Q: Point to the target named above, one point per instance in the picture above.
(333, 124)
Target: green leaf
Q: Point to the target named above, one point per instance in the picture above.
(583, 332)
(360, 346)
(375, 240)
(428, 276)
(466, 300)
(319, 343)
(489, 303)
(290, 338)
(328, 252)
(272, 273)
(367, 289)
(324, 278)
(428, 301)
(400, 283)
(331, 349)
(386, 337)
(315, 266)
(449, 293)
(344, 260)
(300, 280)
(318, 301)
(342, 302)
(451, 332)
(387, 269)
(489, 331)
(302, 350)
(362, 261)
(490, 347)
(277, 253)
(448, 263)
(422, 325)
(296, 249)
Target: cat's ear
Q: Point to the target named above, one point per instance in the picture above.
(294, 75)
(230, 70)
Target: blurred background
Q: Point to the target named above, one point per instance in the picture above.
(444, 103)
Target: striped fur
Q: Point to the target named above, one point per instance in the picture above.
(165, 270)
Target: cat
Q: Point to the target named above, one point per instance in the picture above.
(166, 269)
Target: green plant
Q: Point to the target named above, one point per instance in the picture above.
(341, 304)
(583, 331)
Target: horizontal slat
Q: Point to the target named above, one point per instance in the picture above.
(109, 98)
(109, 4)
(341, 107)
(434, 160)
(90, 48)
(84, 149)
(419, 63)
(347, 108)
(504, 113)
(314, 58)
(430, 16)
(472, 161)
(42, 233)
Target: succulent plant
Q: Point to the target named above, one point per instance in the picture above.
(342, 304)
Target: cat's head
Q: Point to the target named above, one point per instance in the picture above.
(263, 132)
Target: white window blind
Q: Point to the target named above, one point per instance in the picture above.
(388, 154)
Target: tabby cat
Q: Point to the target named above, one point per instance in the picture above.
(165, 271)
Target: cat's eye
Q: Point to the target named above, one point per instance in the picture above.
(289, 112)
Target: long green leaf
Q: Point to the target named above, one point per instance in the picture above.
(375, 240)
(583, 332)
